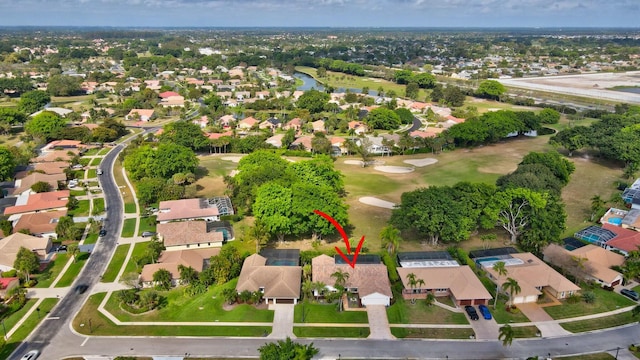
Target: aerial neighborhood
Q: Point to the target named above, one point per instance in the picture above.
(152, 178)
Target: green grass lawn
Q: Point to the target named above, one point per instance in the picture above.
(95, 161)
(98, 206)
(91, 239)
(598, 356)
(138, 251)
(605, 301)
(103, 151)
(84, 161)
(91, 152)
(403, 312)
(81, 210)
(72, 272)
(599, 323)
(147, 223)
(130, 208)
(523, 332)
(27, 327)
(432, 333)
(78, 192)
(331, 332)
(91, 173)
(321, 313)
(204, 307)
(116, 263)
(129, 227)
(499, 312)
(11, 320)
(46, 277)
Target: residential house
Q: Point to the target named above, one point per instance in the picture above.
(63, 145)
(203, 121)
(187, 209)
(275, 140)
(318, 126)
(295, 124)
(358, 126)
(41, 224)
(10, 246)
(611, 237)
(441, 276)
(628, 219)
(368, 282)
(140, 114)
(168, 94)
(248, 123)
(198, 259)
(32, 203)
(301, 143)
(8, 284)
(631, 195)
(182, 235)
(51, 168)
(271, 123)
(172, 101)
(62, 112)
(225, 121)
(56, 156)
(277, 275)
(153, 84)
(24, 181)
(589, 262)
(532, 274)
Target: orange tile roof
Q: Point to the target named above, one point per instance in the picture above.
(368, 278)
(41, 201)
(41, 222)
(187, 233)
(185, 209)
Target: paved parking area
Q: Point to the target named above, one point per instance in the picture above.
(378, 323)
(282, 321)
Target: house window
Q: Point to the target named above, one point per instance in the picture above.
(562, 294)
(441, 290)
(188, 245)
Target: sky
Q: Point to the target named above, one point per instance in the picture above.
(314, 13)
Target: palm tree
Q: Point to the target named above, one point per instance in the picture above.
(500, 268)
(390, 237)
(307, 288)
(73, 250)
(260, 234)
(319, 287)
(306, 271)
(596, 204)
(512, 286)
(341, 279)
(506, 335)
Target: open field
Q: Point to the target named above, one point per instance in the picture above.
(586, 85)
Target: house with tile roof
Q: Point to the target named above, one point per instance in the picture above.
(10, 246)
(182, 235)
(198, 259)
(25, 180)
(295, 124)
(248, 123)
(278, 283)
(57, 156)
(368, 282)
(42, 224)
(589, 262)
(442, 276)
(54, 167)
(187, 209)
(53, 200)
(611, 237)
(140, 114)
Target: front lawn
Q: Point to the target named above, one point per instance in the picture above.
(331, 332)
(81, 210)
(91, 239)
(130, 208)
(204, 307)
(403, 312)
(129, 227)
(72, 271)
(11, 320)
(77, 192)
(321, 313)
(26, 328)
(432, 333)
(101, 326)
(503, 316)
(92, 173)
(138, 252)
(98, 206)
(95, 162)
(599, 323)
(523, 332)
(116, 263)
(605, 301)
(46, 277)
(147, 223)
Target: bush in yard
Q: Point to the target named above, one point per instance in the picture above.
(573, 299)
(589, 297)
(230, 295)
(245, 296)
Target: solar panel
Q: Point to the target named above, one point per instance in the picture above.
(492, 252)
(362, 259)
(424, 256)
(595, 234)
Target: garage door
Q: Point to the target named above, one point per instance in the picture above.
(465, 302)
(617, 282)
(479, 302)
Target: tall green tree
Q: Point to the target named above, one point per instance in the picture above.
(512, 287)
(7, 164)
(287, 350)
(73, 250)
(162, 279)
(45, 125)
(273, 208)
(26, 262)
(12, 116)
(491, 89)
(512, 209)
(184, 133)
(506, 334)
(341, 278)
(188, 274)
(597, 203)
(390, 237)
(313, 100)
(32, 101)
(64, 85)
(383, 118)
(501, 269)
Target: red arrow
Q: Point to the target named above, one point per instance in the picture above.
(351, 263)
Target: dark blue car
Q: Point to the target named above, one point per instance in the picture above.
(484, 310)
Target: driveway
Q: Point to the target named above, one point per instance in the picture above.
(282, 321)
(378, 323)
(545, 323)
(484, 329)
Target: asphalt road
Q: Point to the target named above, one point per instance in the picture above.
(63, 313)
(416, 125)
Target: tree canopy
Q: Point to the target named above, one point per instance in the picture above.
(491, 89)
(313, 100)
(383, 118)
(287, 350)
(64, 85)
(45, 125)
(7, 164)
(32, 101)
(184, 133)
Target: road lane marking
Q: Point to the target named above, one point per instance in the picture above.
(85, 341)
(53, 318)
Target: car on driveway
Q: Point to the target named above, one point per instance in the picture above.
(630, 294)
(484, 310)
(61, 248)
(471, 311)
(31, 355)
(148, 233)
(80, 289)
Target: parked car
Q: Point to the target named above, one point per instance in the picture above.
(630, 294)
(484, 310)
(148, 233)
(80, 289)
(31, 355)
(99, 171)
(471, 311)
(62, 248)
(103, 232)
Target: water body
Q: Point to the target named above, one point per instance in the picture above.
(311, 83)
(635, 90)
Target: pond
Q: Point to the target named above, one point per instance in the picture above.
(309, 83)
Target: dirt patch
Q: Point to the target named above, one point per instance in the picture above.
(373, 201)
(421, 162)
(235, 159)
(395, 169)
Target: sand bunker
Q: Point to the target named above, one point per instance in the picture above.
(369, 200)
(234, 173)
(394, 169)
(235, 159)
(421, 162)
(359, 162)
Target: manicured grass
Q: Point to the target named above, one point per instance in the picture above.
(503, 316)
(84, 161)
(130, 208)
(91, 239)
(147, 223)
(403, 312)
(598, 356)
(103, 151)
(91, 152)
(129, 227)
(432, 333)
(599, 323)
(81, 210)
(27, 327)
(521, 332)
(116, 263)
(331, 332)
(46, 277)
(204, 307)
(320, 313)
(95, 161)
(11, 320)
(605, 301)
(127, 197)
(98, 206)
(78, 192)
(91, 173)
(138, 251)
(72, 272)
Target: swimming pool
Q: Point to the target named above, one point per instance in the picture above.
(615, 221)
